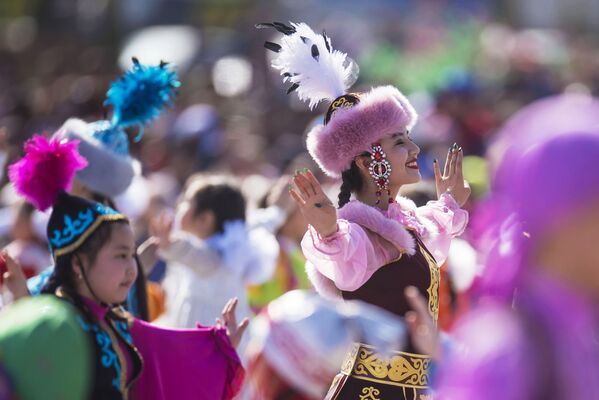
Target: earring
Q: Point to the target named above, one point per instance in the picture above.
(380, 170)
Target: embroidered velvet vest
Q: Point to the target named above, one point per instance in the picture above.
(402, 375)
(110, 379)
(386, 287)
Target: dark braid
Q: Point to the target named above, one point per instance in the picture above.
(351, 181)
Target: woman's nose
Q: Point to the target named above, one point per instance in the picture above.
(415, 150)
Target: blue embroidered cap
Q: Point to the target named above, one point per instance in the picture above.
(73, 220)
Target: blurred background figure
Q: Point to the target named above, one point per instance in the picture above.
(466, 66)
(289, 228)
(212, 255)
(537, 324)
(28, 246)
(299, 340)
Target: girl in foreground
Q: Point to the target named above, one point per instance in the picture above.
(95, 265)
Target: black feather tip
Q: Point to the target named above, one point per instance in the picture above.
(292, 88)
(327, 41)
(315, 52)
(272, 46)
(284, 29)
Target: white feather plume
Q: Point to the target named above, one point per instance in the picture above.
(324, 79)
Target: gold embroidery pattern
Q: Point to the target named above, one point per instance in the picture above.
(350, 359)
(403, 369)
(341, 102)
(433, 289)
(369, 393)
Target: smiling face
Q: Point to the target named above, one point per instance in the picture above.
(401, 152)
(114, 269)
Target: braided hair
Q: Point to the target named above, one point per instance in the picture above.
(351, 182)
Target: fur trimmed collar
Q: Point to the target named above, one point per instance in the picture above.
(393, 224)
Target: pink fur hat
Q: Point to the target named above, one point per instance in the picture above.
(380, 112)
(317, 72)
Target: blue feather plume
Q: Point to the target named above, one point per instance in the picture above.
(140, 94)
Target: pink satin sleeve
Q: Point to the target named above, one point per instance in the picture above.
(350, 256)
(450, 221)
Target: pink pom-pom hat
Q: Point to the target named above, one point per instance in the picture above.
(47, 168)
(43, 176)
(353, 127)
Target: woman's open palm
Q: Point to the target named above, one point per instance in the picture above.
(316, 207)
(452, 180)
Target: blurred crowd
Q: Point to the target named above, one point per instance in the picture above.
(232, 132)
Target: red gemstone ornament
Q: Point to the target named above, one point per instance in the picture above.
(380, 170)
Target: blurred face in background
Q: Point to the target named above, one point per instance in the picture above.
(570, 249)
(201, 225)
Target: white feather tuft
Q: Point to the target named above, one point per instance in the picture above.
(325, 79)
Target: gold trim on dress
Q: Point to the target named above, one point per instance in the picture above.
(369, 393)
(433, 289)
(398, 368)
(350, 359)
(111, 331)
(121, 357)
(134, 376)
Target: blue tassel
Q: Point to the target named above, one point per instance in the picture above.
(140, 94)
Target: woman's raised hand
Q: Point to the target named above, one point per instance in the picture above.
(316, 207)
(452, 180)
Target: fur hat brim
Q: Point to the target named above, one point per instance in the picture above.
(381, 111)
(107, 172)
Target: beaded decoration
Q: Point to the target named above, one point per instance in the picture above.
(380, 170)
